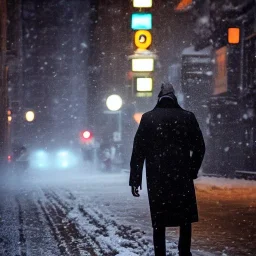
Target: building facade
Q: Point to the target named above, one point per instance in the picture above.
(3, 83)
(232, 137)
(10, 71)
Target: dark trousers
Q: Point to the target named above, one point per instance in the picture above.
(184, 241)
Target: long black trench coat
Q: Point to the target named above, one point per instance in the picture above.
(171, 142)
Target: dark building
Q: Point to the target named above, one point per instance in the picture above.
(3, 83)
(14, 63)
(232, 106)
(55, 50)
(10, 72)
(196, 78)
(228, 96)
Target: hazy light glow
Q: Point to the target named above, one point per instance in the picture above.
(39, 159)
(30, 116)
(137, 117)
(41, 154)
(65, 159)
(64, 164)
(142, 3)
(141, 21)
(114, 102)
(144, 84)
(63, 154)
(141, 65)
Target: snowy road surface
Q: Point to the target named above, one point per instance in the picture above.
(95, 214)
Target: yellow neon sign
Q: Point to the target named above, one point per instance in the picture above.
(143, 39)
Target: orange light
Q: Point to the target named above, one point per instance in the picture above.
(183, 5)
(233, 35)
(9, 158)
(137, 117)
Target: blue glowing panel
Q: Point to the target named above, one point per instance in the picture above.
(141, 21)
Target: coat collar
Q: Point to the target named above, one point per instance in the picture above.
(167, 103)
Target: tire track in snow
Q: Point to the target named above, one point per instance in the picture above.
(22, 239)
(130, 238)
(76, 243)
(54, 230)
(104, 248)
(106, 228)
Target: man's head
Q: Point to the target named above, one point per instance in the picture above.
(167, 91)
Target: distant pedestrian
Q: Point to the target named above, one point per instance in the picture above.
(171, 142)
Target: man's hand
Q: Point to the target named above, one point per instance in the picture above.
(135, 191)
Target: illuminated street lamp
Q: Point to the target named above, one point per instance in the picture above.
(114, 102)
(30, 116)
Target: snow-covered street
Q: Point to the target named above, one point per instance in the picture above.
(95, 214)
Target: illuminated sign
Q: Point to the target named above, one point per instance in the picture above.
(144, 84)
(141, 21)
(183, 5)
(233, 35)
(143, 39)
(143, 65)
(142, 3)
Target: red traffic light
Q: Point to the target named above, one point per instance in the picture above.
(86, 136)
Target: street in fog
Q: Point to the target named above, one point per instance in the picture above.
(95, 214)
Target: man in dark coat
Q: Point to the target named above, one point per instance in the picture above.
(171, 142)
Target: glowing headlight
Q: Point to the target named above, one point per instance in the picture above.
(65, 159)
(41, 154)
(63, 154)
(39, 159)
(64, 164)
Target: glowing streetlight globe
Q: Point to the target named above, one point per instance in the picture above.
(114, 102)
(30, 116)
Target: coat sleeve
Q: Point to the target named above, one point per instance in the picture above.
(197, 146)
(138, 156)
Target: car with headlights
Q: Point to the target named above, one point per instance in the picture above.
(60, 159)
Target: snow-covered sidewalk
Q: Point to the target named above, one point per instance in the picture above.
(95, 214)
